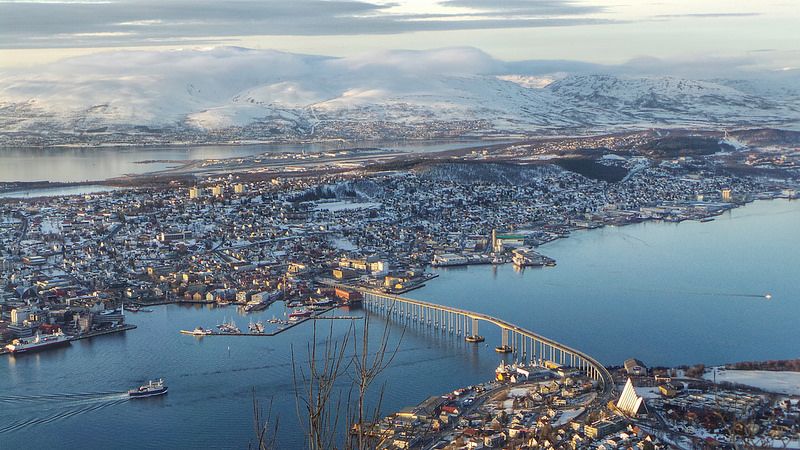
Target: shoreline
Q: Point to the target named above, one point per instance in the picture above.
(89, 335)
(189, 169)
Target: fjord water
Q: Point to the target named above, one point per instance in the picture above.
(665, 293)
(78, 164)
(75, 397)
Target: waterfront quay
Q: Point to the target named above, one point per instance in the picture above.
(522, 407)
(539, 407)
(91, 334)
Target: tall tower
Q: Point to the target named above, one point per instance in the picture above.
(494, 239)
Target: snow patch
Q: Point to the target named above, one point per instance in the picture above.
(780, 382)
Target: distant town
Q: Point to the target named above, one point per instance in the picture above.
(75, 267)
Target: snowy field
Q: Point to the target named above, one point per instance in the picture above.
(771, 381)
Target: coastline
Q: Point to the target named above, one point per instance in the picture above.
(90, 335)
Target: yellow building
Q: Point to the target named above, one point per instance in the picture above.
(238, 189)
(194, 192)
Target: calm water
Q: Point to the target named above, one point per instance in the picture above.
(74, 397)
(93, 164)
(58, 191)
(666, 293)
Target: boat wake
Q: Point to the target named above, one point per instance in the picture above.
(56, 406)
(55, 397)
(765, 295)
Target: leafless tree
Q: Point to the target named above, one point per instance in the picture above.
(266, 430)
(367, 366)
(315, 386)
(333, 383)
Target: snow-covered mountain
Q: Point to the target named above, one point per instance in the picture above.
(224, 88)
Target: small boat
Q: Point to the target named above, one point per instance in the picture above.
(298, 313)
(199, 331)
(256, 328)
(229, 328)
(323, 302)
(151, 389)
(707, 219)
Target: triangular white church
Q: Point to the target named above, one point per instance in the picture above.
(629, 402)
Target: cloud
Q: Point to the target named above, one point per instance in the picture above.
(715, 15)
(33, 24)
(527, 7)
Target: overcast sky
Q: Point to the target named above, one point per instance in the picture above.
(757, 35)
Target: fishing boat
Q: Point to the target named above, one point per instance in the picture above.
(151, 389)
(199, 331)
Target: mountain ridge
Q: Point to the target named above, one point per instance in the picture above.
(269, 93)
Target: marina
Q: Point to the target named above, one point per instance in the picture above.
(230, 329)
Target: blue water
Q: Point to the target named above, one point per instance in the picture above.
(94, 164)
(75, 397)
(665, 293)
(58, 191)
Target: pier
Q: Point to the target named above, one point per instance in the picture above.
(318, 315)
(92, 334)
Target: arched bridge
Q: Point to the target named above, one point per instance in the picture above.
(528, 346)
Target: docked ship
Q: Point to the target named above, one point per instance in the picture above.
(38, 342)
(151, 389)
(526, 257)
(298, 314)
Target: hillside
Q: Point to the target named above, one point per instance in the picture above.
(235, 93)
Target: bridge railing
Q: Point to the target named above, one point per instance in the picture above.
(590, 365)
